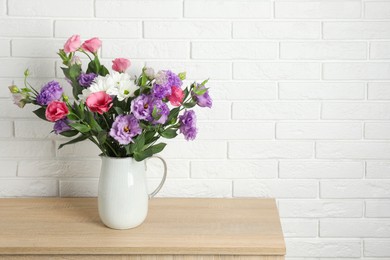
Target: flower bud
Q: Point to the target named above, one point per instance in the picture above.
(75, 60)
(26, 73)
(149, 72)
(14, 89)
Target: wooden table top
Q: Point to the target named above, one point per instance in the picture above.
(173, 226)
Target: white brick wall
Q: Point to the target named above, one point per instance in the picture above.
(301, 111)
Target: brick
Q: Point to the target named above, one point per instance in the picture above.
(318, 9)
(270, 149)
(19, 187)
(37, 48)
(139, 8)
(377, 10)
(276, 71)
(356, 110)
(16, 67)
(79, 188)
(176, 168)
(195, 150)
(321, 90)
(10, 111)
(356, 71)
(355, 189)
(26, 28)
(242, 90)
(193, 188)
(379, 90)
(5, 48)
(233, 169)
(59, 168)
(318, 130)
(53, 8)
(31, 149)
(275, 188)
(84, 149)
(195, 70)
(320, 209)
(376, 247)
(187, 29)
(353, 150)
(6, 129)
(379, 50)
(219, 111)
(323, 50)
(234, 50)
(378, 208)
(8, 168)
(377, 131)
(235, 130)
(146, 49)
(354, 228)
(299, 228)
(275, 110)
(34, 129)
(356, 30)
(3, 7)
(100, 28)
(378, 170)
(228, 9)
(323, 248)
(320, 170)
(276, 30)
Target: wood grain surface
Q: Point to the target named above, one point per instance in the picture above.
(191, 227)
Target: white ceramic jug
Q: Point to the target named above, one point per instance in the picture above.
(122, 194)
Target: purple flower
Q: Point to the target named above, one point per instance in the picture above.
(203, 100)
(162, 111)
(161, 91)
(61, 125)
(141, 107)
(188, 125)
(86, 79)
(124, 128)
(51, 91)
(165, 80)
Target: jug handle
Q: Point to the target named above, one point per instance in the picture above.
(151, 195)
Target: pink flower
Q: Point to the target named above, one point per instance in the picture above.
(56, 110)
(99, 102)
(92, 45)
(120, 64)
(72, 44)
(176, 97)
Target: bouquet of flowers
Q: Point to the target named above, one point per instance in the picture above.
(124, 116)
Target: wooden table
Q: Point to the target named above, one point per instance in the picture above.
(69, 228)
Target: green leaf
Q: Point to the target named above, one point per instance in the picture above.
(169, 133)
(76, 140)
(200, 91)
(103, 71)
(157, 148)
(102, 137)
(72, 117)
(119, 110)
(139, 156)
(74, 71)
(173, 116)
(89, 117)
(156, 113)
(144, 80)
(69, 133)
(80, 127)
(204, 82)
(189, 104)
(139, 143)
(40, 112)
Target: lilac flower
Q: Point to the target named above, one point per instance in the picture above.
(203, 100)
(141, 107)
(124, 128)
(165, 80)
(188, 125)
(61, 125)
(162, 111)
(51, 91)
(86, 79)
(161, 91)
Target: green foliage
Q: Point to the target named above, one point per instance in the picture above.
(40, 112)
(76, 140)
